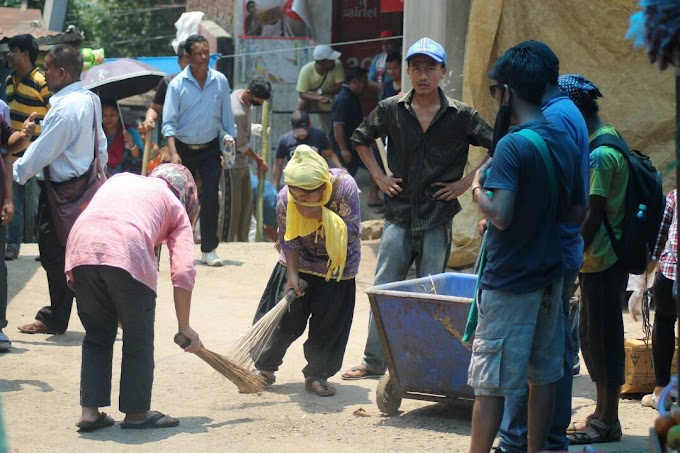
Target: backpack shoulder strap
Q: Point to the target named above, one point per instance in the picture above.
(619, 144)
(542, 148)
(611, 140)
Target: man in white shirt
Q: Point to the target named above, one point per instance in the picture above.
(66, 147)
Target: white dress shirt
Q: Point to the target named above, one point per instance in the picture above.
(66, 140)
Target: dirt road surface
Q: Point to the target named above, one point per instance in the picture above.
(39, 380)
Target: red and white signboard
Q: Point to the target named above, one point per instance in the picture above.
(391, 6)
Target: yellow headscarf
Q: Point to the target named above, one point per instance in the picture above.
(308, 170)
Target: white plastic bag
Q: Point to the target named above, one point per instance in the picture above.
(638, 284)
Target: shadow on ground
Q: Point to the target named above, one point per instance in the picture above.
(19, 272)
(346, 395)
(190, 425)
(67, 339)
(443, 418)
(20, 384)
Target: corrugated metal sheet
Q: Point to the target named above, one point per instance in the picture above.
(17, 21)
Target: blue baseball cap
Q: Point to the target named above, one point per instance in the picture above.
(428, 47)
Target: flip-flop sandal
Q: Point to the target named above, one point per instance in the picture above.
(367, 374)
(103, 421)
(326, 389)
(597, 432)
(34, 328)
(151, 422)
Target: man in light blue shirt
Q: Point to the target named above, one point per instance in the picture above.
(65, 145)
(197, 105)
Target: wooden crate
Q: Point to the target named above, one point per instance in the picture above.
(640, 366)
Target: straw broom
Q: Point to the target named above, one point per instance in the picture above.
(245, 381)
(249, 347)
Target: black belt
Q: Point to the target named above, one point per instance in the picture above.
(210, 144)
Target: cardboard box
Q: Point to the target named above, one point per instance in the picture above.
(640, 366)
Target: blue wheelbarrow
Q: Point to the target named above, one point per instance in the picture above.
(421, 323)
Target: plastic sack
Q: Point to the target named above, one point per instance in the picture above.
(635, 304)
(638, 284)
(228, 151)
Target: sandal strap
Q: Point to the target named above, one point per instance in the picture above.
(598, 425)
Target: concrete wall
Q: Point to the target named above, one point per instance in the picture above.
(219, 11)
(445, 21)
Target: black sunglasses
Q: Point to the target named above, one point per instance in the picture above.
(495, 89)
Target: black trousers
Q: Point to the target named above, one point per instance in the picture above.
(206, 163)
(601, 324)
(104, 295)
(329, 307)
(663, 332)
(52, 257)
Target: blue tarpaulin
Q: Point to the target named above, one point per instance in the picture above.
(167, 64)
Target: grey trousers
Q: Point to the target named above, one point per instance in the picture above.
(399, 248)
(241, 206)
(104, 295)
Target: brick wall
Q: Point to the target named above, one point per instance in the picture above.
(219, 11)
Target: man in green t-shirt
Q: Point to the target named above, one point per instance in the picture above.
(603, 279)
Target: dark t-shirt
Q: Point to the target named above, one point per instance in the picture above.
(5, 132)
(162, 88)
(527, 256)
(388, 91)
(347, 110)
(315, 139)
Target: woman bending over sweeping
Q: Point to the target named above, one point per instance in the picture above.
(110, 262)
(319, 228)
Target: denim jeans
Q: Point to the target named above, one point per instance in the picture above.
(513, 430)
(399, 248)
(15, 230)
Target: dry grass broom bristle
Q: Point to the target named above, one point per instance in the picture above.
(245, 381)
(250, 345)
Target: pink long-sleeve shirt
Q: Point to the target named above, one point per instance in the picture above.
(126, 219)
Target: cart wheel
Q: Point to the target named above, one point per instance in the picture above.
(388, 397)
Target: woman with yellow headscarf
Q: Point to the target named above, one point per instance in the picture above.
(319, 229)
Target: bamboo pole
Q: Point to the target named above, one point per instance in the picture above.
(147, 151)
(264, 152)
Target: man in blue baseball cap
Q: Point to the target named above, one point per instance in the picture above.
(430, 135)
(429, 48)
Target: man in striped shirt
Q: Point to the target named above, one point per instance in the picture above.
(429, 137)
(27, 92)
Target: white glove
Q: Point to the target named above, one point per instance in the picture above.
(256, 130)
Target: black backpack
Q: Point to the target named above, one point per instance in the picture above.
(644, 188)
